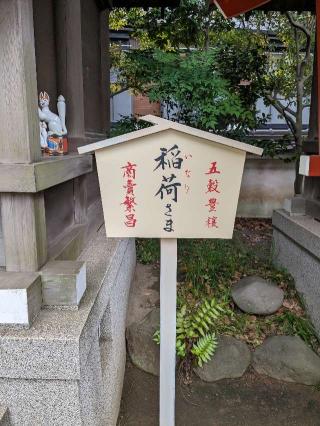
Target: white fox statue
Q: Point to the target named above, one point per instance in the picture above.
(56, 124)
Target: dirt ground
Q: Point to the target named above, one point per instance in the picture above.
(252, 400)
(249, 401)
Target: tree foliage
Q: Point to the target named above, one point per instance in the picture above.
(193, 90)
(268, 55)
(203, 100)
(288, 79)
(187, 26)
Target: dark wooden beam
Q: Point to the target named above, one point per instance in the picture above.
(108, 4)
(289, 5)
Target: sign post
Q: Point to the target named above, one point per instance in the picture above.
(168, 305)
(169, 181)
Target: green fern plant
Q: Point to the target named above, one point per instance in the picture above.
(196, 339)
(204, 348)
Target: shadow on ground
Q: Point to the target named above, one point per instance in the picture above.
(249, 401)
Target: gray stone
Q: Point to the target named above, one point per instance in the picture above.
(255, 295)
(63, 282)
(59, 341)
(20, 298)
(297, 248)
(143, 351)
(68, 368)
(144, 293)
(231, 360)
(289, 359)
(295, 205)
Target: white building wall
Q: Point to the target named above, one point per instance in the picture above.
(121, 105)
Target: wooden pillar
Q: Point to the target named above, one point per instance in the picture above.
(313, 118)
(69, 60)
(318, 66)
(23, 215)
(80, 199)
(19, 124)
(105, 71)
(24, 230)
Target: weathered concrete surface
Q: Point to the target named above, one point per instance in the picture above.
(295, 206)
(67, 369)
(63, 282)
(143, 351)
(287, 358)
(266, 183)
(231, 360)
(248, 401)
(297, 248)
(255, 295)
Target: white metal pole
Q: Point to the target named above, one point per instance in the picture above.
(168, 303)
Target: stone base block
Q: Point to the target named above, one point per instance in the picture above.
(68, 368)
(297, 249)
(295, 205)
(63, 282)
(20, 297)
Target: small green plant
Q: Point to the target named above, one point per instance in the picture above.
(196, 340)
(127, 124)
(204, 348)
(148, 251)
(296, 325)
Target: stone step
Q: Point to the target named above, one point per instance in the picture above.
(20, 297)
(63, 282)
(4, 416)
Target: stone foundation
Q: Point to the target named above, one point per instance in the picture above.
(68, 368)
(297, 249)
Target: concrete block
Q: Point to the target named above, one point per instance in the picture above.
(295, 205)
(297, 249)
(304, 230)
(42, 402)
(20, 297)
(63, 282)
(68, 368)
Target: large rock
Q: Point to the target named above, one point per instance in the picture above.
(231, 359)
(143, 351)
(287, 358)
(255, 295)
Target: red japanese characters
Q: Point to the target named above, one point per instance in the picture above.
(213, 191)
(129, 202)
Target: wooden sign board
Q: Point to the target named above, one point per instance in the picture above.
(170, 181)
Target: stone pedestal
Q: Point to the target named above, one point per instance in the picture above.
(63, 282)
(297, 249)
(68, 368)
(20, 297)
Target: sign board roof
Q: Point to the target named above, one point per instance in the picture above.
(170, 181)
